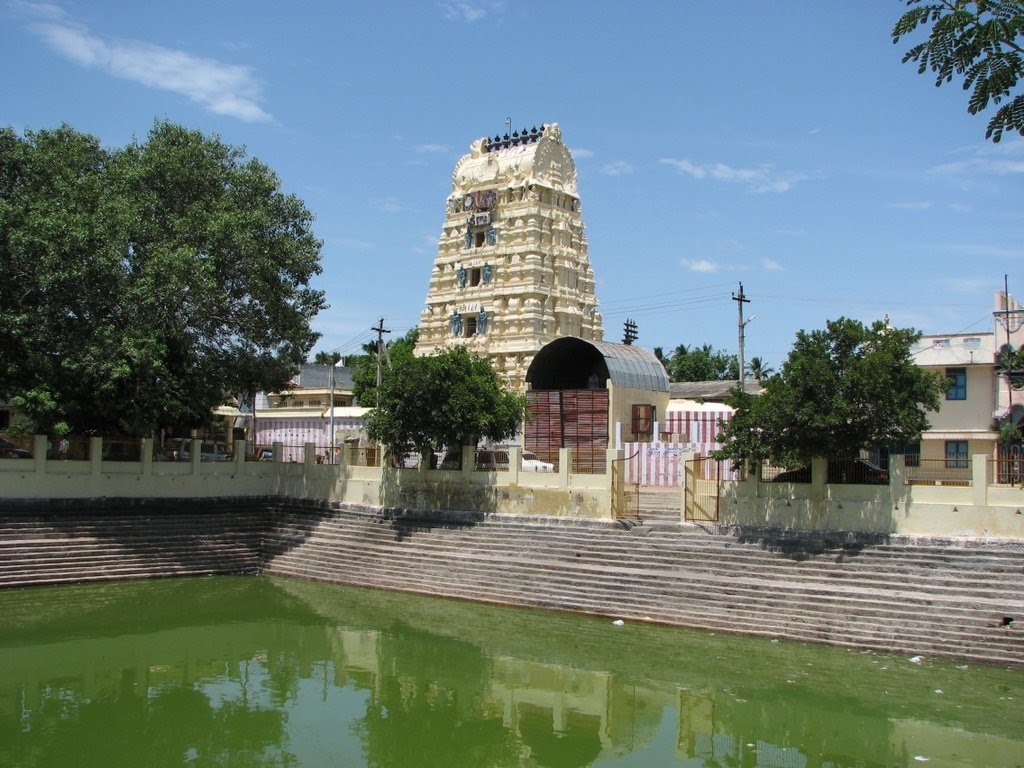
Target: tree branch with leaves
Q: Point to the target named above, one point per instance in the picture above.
(981, 41)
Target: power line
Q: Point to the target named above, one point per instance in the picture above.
(650, 296)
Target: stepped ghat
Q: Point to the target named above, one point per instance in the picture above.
(956, 599)
(542, 540)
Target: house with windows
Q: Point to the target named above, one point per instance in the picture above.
(979, 395)
(965, 423)
(317, 401)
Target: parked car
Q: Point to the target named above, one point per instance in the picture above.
(532, 464)
(180, 449)
(847, 471)
(9, 450)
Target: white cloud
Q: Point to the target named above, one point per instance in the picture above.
(770, 264)
(425, 244)
(763, 178)
(387, 205)
(699, 265)
(460, 10)
(426, 149)
(581, 154)
(967, 286)
(984, 250)
(352, 243)
(1002, 159)
(618, 168)
(729, 244)
(921, 205)
(225, 89)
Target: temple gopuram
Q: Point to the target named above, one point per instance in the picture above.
(511, 272)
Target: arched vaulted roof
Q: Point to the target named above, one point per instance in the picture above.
(574, 363)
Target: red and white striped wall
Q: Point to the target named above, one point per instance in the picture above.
(692, 429)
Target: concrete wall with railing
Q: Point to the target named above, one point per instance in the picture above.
(975, 508)
(510, 491)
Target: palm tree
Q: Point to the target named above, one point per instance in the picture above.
(758, 370)
(659, 352)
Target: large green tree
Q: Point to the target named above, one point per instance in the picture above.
(981, 41)
(145, 285)
(451, 398)
(841, 390)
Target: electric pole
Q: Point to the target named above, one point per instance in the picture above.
(740, 300)
(380, 330)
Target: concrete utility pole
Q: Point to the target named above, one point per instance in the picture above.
(380, 330)
(1003, 316)
(335, 364)
(740, 300)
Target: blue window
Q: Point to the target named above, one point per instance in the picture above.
(956, 454)
(957, 378)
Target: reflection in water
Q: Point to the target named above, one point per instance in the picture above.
(268, 672)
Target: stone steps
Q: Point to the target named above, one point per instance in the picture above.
(732, 562)
(72, 545)
(715, 614)
(930, 598)
(443, 563)
(793, 599)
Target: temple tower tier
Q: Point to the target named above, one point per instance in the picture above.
(512, 271)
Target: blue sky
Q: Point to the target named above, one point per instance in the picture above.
(778, 144)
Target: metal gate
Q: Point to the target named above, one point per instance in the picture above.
(630, 494)
(703, 475)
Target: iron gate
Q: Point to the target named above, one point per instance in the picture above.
(703, 478)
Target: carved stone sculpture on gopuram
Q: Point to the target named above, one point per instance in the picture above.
(511, 272)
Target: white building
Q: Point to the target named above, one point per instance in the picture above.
(304, 413)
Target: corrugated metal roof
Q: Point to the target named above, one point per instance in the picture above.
(717, 390)
(574, 363)
(634, 367)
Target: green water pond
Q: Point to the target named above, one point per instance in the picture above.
(260, 671)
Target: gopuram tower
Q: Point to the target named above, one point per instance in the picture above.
(511, 272)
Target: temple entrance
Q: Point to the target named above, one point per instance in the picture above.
(569, 418)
